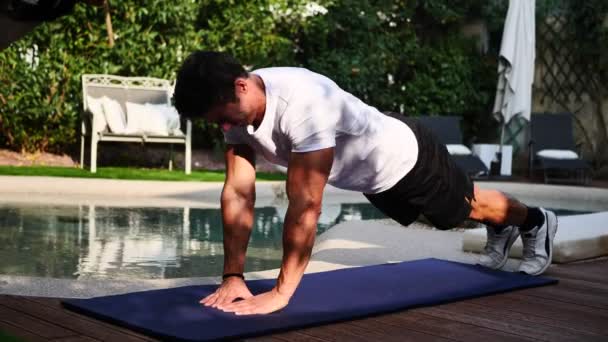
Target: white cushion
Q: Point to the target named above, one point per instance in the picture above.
(557, 154)
(141, 120)
(153, 119)
(458, 149)
(95, 106)
(578, 237)
(114, 115)
(171, 116)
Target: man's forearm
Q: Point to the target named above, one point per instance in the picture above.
(237, 217)
(298, 239)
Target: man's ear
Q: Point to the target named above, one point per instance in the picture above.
(240, 85)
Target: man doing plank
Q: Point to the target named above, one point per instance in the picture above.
(322, 134)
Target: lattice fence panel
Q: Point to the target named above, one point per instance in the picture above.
(560, 74)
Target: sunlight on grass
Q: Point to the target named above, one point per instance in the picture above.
(126, 173)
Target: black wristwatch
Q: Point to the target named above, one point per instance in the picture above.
(228, 275)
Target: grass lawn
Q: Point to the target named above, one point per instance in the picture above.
(126, 173)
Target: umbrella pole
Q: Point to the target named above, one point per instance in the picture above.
(502, 136)
(499, 154)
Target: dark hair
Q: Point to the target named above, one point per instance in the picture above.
(206, 79)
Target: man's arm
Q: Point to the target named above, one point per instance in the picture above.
(238, 197)
(306, 178)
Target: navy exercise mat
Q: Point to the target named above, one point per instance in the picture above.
(321, 298)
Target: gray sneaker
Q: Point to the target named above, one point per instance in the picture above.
(538, 245)
(497, 247)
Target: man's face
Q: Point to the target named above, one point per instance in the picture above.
(237, 113)
(228, 115)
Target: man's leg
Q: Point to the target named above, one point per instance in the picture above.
(507, 219)
(443, 192)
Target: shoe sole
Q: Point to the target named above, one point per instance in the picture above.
(551, 231)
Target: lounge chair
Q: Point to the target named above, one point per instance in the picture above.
(553, 151)
(447, 129)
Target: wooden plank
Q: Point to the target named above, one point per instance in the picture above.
(83, 325)
(47, 301)
(32, 324)
(292, 336)
(348, 332)
(264, 339)
(593, 263)
(329, 334)
(589, 271)
(569, 310)
(379, 326)
(338, 332)
(587, 318)
(575, 275)
(499, 320)
(446, 328)
(20, 333)
(78, 338)
(570, 291)
(581, 284)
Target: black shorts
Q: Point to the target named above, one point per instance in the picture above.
(436, 187)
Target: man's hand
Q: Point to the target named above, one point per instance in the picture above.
(264, 303)
(231, 289)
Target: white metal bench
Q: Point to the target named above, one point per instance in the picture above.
(132, 89)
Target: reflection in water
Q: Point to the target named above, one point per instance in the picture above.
(108, 242)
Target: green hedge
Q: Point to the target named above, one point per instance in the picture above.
(405, 56)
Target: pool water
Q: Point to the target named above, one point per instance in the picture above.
(149, 243)
(88, 241)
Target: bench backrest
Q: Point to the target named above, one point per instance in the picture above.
(126, 89)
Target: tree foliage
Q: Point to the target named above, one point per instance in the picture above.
(403, 55)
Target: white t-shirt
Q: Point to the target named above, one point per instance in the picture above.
(306, 111)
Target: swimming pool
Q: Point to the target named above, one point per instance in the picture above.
(149, 243)
(89, 241)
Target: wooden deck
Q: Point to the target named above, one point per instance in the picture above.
(574, 310)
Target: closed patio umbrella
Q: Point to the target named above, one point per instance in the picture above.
(516, 64)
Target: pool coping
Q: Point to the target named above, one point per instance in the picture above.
(60, 190)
